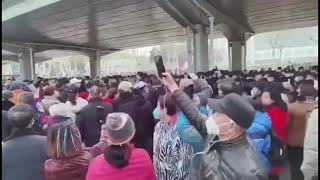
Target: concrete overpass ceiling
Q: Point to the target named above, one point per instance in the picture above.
(116, 24)
(271, 15)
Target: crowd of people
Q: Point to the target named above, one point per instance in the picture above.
(215, 125)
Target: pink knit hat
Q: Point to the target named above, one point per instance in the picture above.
(120, 128)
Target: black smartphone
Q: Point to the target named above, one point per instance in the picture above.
(159, 65)
(37, 81)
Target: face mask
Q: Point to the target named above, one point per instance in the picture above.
(266, 102)
(212, 127)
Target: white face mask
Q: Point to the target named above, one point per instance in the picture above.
(212, 127)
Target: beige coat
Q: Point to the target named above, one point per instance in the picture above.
(310, 152)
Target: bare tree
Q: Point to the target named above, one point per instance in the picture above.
(276, 45)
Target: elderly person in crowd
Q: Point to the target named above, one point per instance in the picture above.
(23, 152)
(91, 117)
(75, 102)
(16, 88)
(69, 158)
(297, 126)
(26, 98)
(112, 92)
(7, 100)
(232, 117)
(140, 110)
(259, 132)
(169, 149)
(310, 147)
(50, 94)
(121, 160)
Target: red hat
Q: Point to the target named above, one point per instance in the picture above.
(84, 95)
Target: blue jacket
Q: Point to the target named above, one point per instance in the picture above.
(186, 131)
(259, 132)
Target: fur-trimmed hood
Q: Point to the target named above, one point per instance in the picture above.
(61, 109)
(80, 103)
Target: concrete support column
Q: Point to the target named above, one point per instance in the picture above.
(94, 65)
(237, 55)
(26, 65)
(201, 60)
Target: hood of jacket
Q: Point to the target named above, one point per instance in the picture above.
(48, 101)
(263, 119)
(80, 103)
(226, 161)
(61, 109)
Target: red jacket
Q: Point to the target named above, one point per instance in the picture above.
(279, 120)
(140, 168)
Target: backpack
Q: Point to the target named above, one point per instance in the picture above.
(278, 150)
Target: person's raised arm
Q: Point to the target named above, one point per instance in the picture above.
(99, 148)
(187, 106)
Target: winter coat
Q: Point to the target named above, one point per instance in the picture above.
(139, 168)
(80, 103)
(140, 110)
(171, 154)
(310, 151)
(6, 105)
(24, 155)
(259, 132)
(279, 120)
(190, 135)
(48, 101)
(90, 119)
(225, 160)
(75, 167)
(297, 113)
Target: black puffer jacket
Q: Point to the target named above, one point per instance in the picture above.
(90, 119)
(236, 160)
(140, 110)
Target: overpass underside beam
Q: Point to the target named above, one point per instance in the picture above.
(26, 64)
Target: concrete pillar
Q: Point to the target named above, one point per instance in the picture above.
(26, 65)
(94, 65)
(201, 60)
(237, 55)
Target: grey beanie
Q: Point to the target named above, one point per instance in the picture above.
(120, 128)
(7, 95)
(235, 107)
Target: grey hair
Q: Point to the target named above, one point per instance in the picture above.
(20, 116)
(26, 98)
